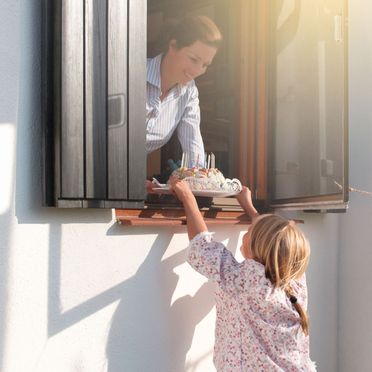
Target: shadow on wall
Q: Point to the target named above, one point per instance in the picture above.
(148, 332)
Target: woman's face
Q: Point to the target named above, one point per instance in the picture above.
(191, 61)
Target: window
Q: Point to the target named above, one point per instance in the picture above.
(273, 104)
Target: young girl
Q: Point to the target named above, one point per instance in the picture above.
(261, 303)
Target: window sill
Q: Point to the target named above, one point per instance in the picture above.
(176, 217)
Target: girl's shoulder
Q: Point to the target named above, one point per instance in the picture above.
(299, 287)
(255, 271)
(252, 275)
(252, 266)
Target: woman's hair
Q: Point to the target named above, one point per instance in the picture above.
(282, 248)
(188, 30)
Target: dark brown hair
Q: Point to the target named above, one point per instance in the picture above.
(188, 30)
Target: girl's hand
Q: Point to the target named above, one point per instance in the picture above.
(245, 196)
(245, 200)
(180, 188)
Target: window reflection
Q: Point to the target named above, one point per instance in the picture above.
(308, 98)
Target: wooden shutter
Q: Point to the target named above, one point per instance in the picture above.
(94, 71)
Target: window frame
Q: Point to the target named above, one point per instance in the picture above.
(254, 156)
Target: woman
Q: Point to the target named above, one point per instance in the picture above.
(172, 96)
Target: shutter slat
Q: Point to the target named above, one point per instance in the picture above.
(117, 100)
(72, 129)
(95, 98)
(137, 98)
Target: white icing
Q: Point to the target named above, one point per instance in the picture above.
(211, 179)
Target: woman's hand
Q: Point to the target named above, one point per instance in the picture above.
(149, 187)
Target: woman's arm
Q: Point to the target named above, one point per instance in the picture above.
(195, 221)
(188, 131)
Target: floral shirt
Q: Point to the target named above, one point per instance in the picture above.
(257, 327)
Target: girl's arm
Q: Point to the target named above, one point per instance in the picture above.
(195, 221)
(208, 257)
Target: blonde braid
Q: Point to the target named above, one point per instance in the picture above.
(304, 319)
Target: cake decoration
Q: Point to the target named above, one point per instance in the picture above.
(211, 179)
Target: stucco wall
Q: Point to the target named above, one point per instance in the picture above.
(355, 293)
(80, 293)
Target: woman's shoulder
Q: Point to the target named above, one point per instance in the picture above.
(155, 59)
(191, 90)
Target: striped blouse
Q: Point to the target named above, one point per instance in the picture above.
(178, 110)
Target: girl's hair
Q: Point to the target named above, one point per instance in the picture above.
(282, 248)
(188, 30)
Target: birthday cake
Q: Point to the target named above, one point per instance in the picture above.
(203, 179)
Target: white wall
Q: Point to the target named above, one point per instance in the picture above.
(355, 294)
(80, 293)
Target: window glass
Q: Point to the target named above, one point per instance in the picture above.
(307, 103)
